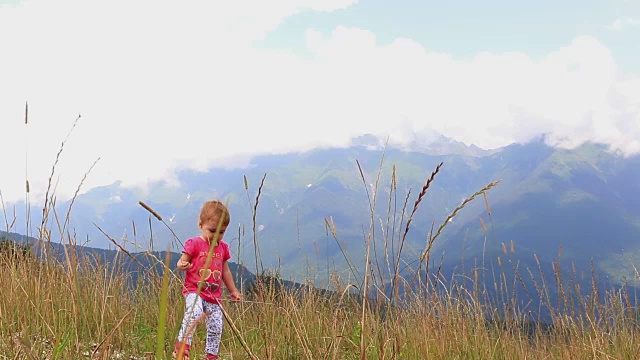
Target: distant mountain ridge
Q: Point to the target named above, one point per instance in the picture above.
(583, 204)
(434, 144)
(133, 264)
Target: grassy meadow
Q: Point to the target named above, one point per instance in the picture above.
(80, 309)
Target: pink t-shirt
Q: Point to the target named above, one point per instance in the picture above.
(198, 249)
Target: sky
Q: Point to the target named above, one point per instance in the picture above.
(163, 85)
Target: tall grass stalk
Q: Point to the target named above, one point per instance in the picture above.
(38, 320)
(77, 306)
(162, 316)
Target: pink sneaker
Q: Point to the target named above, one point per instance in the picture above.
(185, 354)
(211, 357)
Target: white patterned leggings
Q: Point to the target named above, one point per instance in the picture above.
(195, 307)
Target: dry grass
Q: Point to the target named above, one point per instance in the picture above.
(80, 308)
(50, 312)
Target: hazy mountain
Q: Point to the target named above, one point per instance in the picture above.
(585, 201)
(578, 206)
(431, 143)
(137, 264)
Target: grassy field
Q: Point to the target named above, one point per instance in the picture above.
(80, 309)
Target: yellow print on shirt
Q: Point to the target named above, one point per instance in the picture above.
(206, 274)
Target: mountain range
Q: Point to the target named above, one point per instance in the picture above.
(578, 207)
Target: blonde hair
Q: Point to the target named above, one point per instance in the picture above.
(215, 210)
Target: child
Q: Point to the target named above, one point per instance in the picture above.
(205, 260)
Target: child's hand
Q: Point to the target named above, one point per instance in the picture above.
(183, 264)
(235, 295)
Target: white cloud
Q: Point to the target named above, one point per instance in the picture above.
(330, 5)
(621, 24)
(162, 86)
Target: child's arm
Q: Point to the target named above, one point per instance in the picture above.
(227, 278)
(184, 262)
